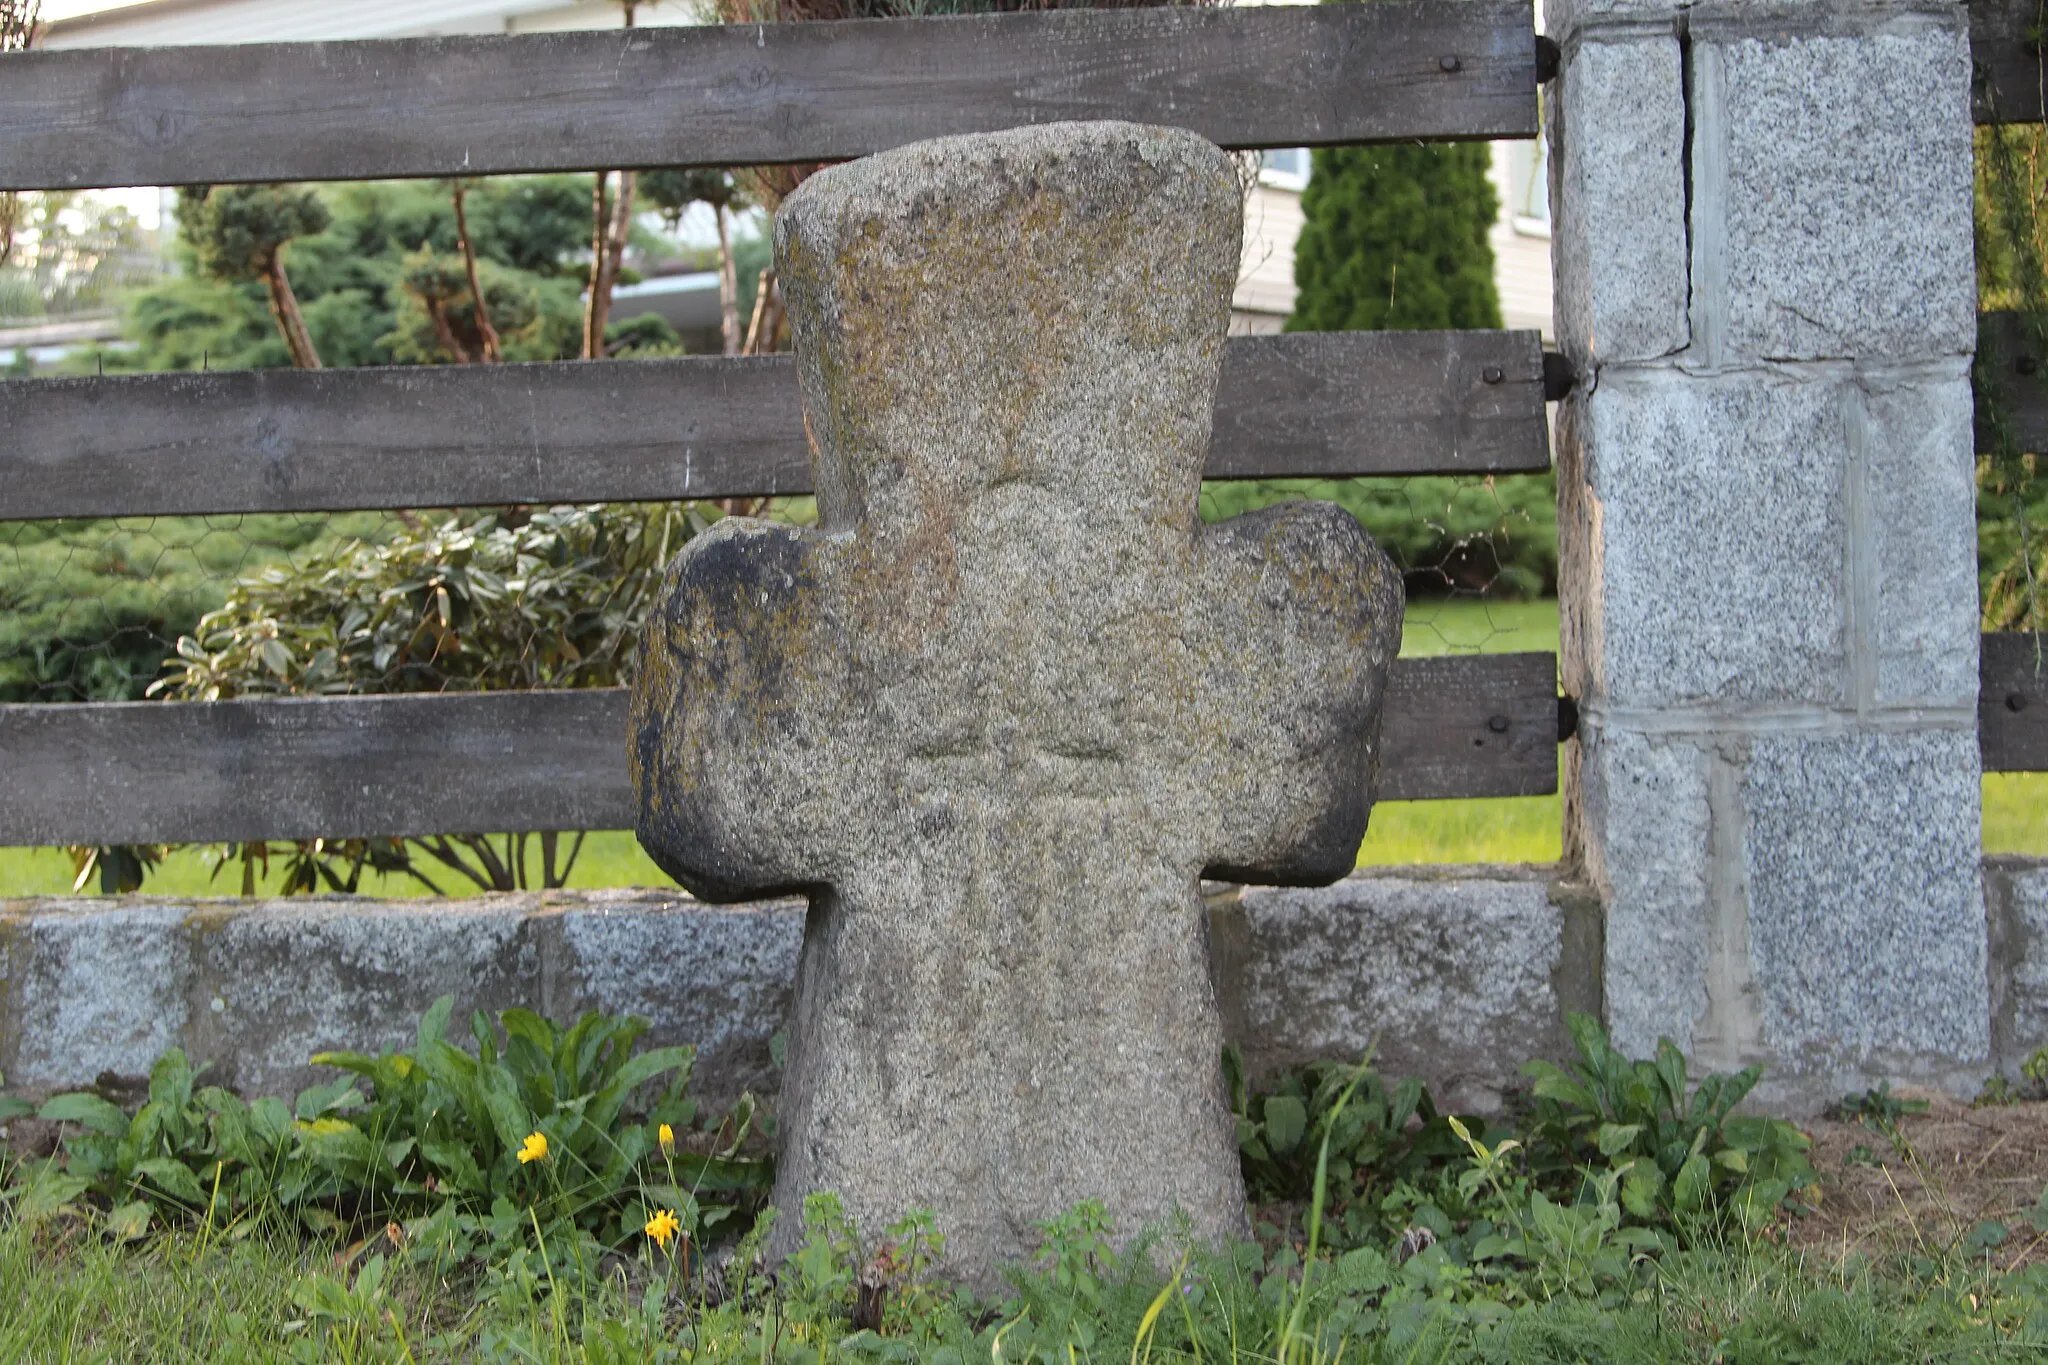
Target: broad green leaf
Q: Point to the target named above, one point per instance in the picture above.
(1639, 1190)
(170, 1080)
(1734, 1158)
(270, 1119)
(12, 1108)
(130, 1221)
(1695, 1178)
(87, 1109)
(526, 1024)
(1746, 1133)
(650, 1064)
(47, 1192)
(175, 1179)
(1615, 1138)
(361, 1063)
(456, 1163)
(434, 1023)
(339, 1093)
(1286, 1121)
(1671, 1074)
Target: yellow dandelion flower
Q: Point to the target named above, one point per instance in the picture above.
(662, 1227)
(668, 1139)
(535, 1148)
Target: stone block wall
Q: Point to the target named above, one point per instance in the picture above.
(1768, 553)
(1454, 974)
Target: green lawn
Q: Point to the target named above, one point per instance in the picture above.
(1521, 829)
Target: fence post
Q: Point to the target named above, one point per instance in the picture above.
(1765, 277)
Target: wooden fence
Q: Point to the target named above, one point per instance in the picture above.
(2012, 705)
(1318, 405)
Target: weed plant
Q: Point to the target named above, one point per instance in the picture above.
(511, 1203)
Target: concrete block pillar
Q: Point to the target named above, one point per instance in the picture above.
(1765, 280)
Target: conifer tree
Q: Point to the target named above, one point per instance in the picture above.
(1394, 238)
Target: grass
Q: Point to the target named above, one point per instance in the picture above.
(1519, 829)
(274, 1297)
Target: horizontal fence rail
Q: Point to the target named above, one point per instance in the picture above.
(1324, 404)
(744, 95)
(160, 772)
(2012, 703)
(2005, 46)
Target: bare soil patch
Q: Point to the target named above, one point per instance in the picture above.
(1931, 1181)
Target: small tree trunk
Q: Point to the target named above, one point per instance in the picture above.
(291, 323)
(600, 232)
(728, 287)
(493, 352)
(761, 331)
(445, 330)
(615, 252)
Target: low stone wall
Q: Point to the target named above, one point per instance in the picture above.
(1457, 975)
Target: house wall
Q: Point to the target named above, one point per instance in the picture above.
(161, 23)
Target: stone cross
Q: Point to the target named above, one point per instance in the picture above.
(1006, 706)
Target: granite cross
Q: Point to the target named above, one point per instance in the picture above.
(1010, 701)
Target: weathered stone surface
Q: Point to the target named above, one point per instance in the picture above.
(83, 993)
(1617, 130)
(1455, 974)
(1867, 914)
(1916, 441)
(1718, 568)
(256, 988)
(717, 978)
(1845, 219)
(1009, 702)
(1300, 974)
(1642, 809)
(2016, 894)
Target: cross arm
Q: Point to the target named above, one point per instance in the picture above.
(1300, 622)
(721, 749)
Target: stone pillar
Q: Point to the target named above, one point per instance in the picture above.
(1765, 280)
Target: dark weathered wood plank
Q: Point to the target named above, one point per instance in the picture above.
(1254, 77)
(1470, 725)
(450, 436)
(150, 772)
(2008, 84)
(2012, 703)
(2012, 384)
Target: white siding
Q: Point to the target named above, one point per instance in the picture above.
(176, 22)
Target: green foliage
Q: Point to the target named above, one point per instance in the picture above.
(2032, 1086)
(89, 609)
(1368, 1135)
(1681, 1154)
(487, 602)
(354, 250)
(221, 1221)
(235, 232)
(2012, 273)
(1394, 237)
(434, 1141)
(1495, 536)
